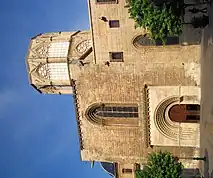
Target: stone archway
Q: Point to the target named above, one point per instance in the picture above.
(170, 128)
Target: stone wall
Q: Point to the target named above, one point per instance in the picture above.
(124, 83)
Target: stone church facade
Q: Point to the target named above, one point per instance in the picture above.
(132, 96)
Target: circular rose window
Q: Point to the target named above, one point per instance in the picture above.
(83, 46)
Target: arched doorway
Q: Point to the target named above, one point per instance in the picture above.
(187, 113)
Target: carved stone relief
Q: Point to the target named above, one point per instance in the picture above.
(40, 50)
(35, 73)
(83, 46)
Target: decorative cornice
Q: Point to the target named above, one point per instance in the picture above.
(146, 118)
(76, 105)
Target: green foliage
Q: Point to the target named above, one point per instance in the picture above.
(162, 20)
(161, 165)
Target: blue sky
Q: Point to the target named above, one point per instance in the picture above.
(38, 133)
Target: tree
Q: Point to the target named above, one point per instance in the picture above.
(161, 19)
(161, 165)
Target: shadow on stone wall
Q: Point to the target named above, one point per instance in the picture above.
(191, 35)
(190, 173)
(207, 174)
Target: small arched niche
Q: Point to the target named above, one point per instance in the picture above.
(185, 113)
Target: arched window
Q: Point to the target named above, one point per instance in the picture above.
(113, 114)
(144, 40)
(54, 71)
(172, 40)
(187, 113)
